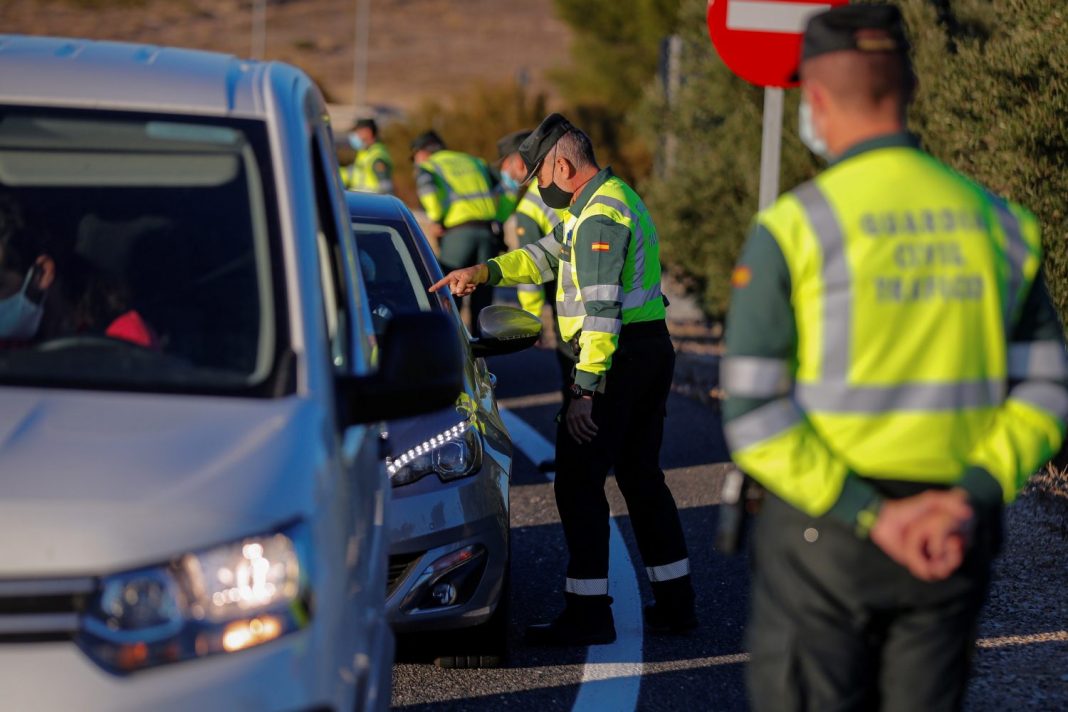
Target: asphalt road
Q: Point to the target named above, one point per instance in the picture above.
(703, 666)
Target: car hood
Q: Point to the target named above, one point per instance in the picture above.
(97, 482)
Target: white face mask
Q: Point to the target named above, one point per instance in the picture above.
(807, 131)
(19, 316)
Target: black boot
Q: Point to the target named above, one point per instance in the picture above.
(673, 612)
(586, 620)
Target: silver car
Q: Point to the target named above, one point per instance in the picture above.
(193, 504)
(450, 469)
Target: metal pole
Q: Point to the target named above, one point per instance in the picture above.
(674, 53)
(771, 146)
(259, 29)
(359, 72)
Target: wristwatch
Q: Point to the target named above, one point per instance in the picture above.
(578, 391)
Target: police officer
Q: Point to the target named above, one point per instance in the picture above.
(610, 308)
(895, 371)
(372, 170)
(460, 197)
(533, 221)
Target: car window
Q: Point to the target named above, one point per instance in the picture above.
(136, 251)
(394, 283)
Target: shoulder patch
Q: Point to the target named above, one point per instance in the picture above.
(741, 276)
(600, 246)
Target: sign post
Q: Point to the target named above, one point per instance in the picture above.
(760, 41)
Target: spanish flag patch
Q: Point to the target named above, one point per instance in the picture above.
(741, 276)
(600, 247)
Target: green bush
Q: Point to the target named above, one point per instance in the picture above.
(992, 103)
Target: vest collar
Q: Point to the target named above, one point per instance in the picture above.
(589, 189)
(900, 139)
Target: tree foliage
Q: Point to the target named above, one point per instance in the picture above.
(992, 103)
(615, 53)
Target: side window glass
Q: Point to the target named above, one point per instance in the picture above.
(330, 262)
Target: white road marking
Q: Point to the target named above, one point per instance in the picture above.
(781, 17)
(612, 675)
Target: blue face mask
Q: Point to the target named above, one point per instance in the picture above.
(19, 315)
(510, 184)
(356, 142)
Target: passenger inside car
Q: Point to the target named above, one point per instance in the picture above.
(27, 271)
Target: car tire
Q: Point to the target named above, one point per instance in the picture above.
(485, 645)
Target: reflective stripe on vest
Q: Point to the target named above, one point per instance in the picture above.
(362, 174)
(638, 301)
(833, 393)
(463, 178)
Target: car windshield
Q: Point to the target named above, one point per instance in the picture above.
(395, 285)
(135, 252)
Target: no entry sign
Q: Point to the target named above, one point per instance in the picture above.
(760, 40)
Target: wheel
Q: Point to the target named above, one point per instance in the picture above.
(485, 645)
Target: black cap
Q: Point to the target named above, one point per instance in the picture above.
(425, 140)
(841, 29)
(537, 145)
(507, 145)
(366, 124)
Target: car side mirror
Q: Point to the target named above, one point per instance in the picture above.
(505, 330)
(420, 369)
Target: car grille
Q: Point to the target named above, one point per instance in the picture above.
(46, 609)
(399, 566)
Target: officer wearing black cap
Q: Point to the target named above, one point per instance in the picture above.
(612, 313)
(372, 169)
(533, 221)
(895, 371)
(460, 196)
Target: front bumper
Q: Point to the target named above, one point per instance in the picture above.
(291, 673)
(433, 520)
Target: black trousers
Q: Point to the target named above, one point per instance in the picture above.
(837, 625)
(630, 420)
(467, 245)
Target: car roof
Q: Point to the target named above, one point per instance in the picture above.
(374, 206)
(61, 71)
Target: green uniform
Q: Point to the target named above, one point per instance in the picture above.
(889, 331)
(458, 192)
(610, 308)
(535, 220)
(371, 172)
(608, 260)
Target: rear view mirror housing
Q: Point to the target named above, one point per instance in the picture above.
(505, 330)
(420, 369)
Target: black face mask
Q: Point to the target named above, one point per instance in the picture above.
(553, 195)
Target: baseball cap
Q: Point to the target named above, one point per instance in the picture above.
(847, 28)
(425, 139)
(537, 145)
(507, 145)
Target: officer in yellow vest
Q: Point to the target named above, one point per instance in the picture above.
(610, 308)
(372, 171)
(895, 372)
(533, 221)
(460, 196)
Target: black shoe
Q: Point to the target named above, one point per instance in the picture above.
(669, 622)
(578, 625)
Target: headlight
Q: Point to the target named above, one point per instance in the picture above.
(454, 453)
(222, 599)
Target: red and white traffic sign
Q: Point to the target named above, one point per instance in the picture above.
(760, 40)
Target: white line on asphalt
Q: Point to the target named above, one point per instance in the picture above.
(782, 17)
(612, 675)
